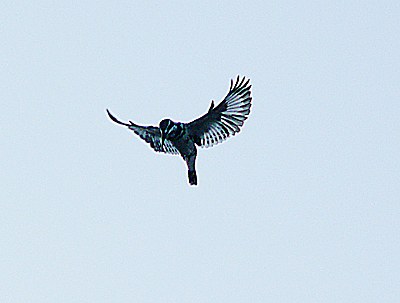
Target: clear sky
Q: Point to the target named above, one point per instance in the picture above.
(301, 206)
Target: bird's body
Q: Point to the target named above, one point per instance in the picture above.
(210, 129)
(182, 141)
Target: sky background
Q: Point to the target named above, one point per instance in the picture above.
(301, 206)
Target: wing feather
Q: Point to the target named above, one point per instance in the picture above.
(150, 134)
(224, 120)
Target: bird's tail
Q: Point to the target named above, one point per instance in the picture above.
(192, 177)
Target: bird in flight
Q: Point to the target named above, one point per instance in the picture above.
(218, 124)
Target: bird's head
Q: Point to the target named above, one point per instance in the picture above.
(166, 126)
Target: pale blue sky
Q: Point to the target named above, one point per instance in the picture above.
(301, 206)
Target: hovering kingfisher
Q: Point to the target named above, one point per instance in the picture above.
(215, 126)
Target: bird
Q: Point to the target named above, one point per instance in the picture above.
(218, 124)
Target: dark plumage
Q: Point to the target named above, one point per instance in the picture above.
(218, 124)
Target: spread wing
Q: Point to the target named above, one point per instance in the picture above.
(150, 134)
(225, 120)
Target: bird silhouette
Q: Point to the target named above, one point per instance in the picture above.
(218, 124)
